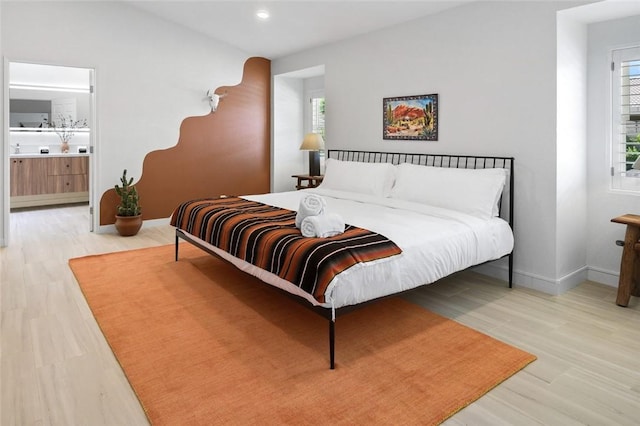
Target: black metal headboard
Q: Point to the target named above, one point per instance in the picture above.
(444, 160)
(439, 160)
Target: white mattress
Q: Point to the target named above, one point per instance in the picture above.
(435, 242)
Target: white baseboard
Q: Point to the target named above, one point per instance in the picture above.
(22, 201)
(105, 229)
(604, 276)
(533, 281)
(157, 222)
(495, 270)
(111, 229)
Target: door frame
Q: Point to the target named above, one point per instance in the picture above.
(6, 148)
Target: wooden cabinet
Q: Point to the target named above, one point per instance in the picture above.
(67, 166)
(71, 183)
(28, 176)
(67, 174)
(45, 181)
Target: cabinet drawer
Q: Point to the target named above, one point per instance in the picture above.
(67, 183)
(68, 166)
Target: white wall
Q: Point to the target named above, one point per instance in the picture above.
(604, 204)
(288, 107)
(494, 68)
(571, 153)
(150, 74)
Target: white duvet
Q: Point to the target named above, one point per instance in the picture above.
(435, 242)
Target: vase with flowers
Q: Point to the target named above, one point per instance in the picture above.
(65, 128)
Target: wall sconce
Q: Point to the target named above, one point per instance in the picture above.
(214, 99)
(313, 143)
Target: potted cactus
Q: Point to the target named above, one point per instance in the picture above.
(128, 217)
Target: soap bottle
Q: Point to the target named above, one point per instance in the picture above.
(17, 148)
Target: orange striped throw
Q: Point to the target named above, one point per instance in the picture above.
(267, 237)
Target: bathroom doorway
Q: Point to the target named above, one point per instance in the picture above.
(50, 139)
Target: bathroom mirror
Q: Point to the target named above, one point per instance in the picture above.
(40, 94)
(29, 113)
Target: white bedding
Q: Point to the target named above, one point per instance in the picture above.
(435, 242)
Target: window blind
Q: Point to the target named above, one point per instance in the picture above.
(625, 142)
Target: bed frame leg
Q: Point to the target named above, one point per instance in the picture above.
(177, 247)
(511, 270)
(332, 344)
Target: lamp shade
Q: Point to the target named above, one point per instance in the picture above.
(312, 142)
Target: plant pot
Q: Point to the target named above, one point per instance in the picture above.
(128, 225)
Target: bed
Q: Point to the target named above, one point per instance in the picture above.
(420, 217)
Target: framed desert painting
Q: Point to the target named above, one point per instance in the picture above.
(411, 118)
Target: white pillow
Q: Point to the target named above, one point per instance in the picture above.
(472, 191)
(363, 178)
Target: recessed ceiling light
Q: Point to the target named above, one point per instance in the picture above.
(263, 14)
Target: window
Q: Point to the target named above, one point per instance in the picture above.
(625, 140)
(317, 115)
(316, 121)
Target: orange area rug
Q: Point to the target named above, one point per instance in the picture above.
(203, 343)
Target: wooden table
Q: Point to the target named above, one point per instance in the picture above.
(311, 181)
(629, 282)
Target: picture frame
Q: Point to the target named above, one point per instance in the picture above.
(410, 118)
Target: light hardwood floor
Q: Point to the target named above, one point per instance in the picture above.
(56, 367)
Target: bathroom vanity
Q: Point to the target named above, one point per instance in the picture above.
(48, 179)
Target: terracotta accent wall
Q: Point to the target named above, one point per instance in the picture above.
(224, 152)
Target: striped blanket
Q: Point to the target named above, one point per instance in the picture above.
(267, 237)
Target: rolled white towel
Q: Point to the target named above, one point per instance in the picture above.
(310, 205)
(323, 225)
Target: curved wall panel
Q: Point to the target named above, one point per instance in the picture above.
(224, 152)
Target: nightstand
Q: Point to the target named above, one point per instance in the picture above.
(307, 181)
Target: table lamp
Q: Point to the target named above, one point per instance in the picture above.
(313, 143)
